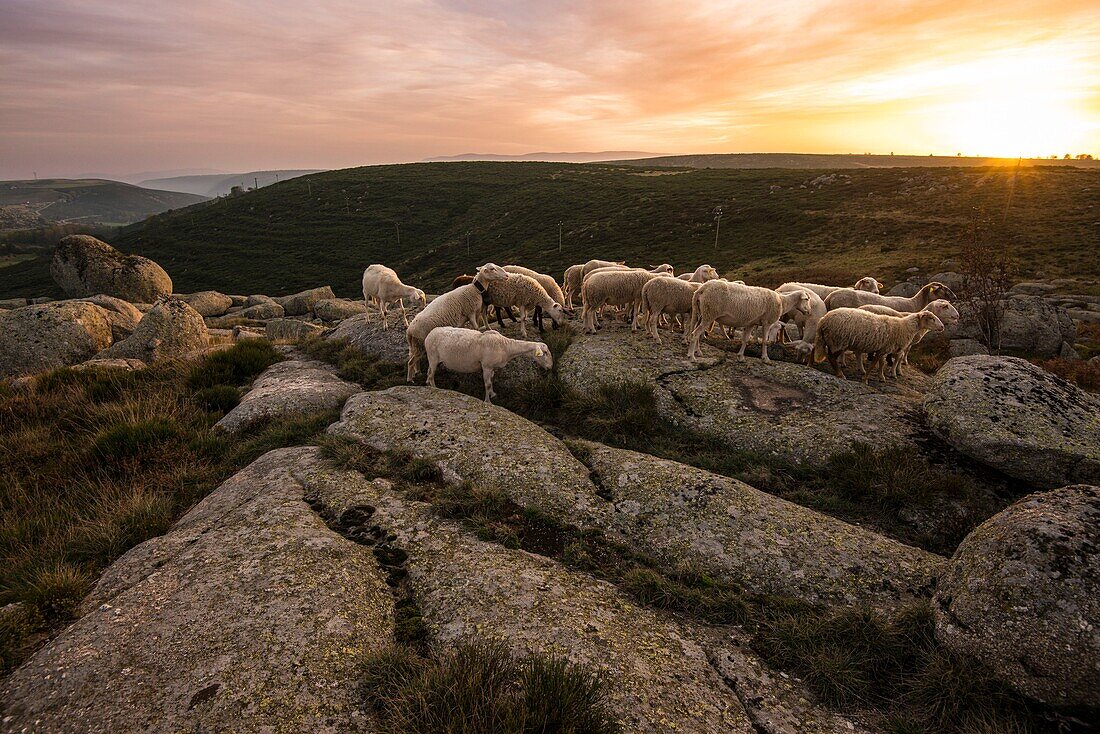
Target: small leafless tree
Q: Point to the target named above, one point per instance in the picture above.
(987, 268)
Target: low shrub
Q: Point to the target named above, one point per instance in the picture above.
(218, 398)
(238, 365)
(1085, 374)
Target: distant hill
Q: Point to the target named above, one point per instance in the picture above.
(835, 161)
(61, 200)
(777, 224)
(605, 155)
(221, 183)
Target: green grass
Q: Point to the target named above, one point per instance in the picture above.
(325, 228)
(238, 365)
(482, 688)
(94, 462)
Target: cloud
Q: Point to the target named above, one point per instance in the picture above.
(117, 86)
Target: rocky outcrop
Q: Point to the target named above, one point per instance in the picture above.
(1017, 418)
(668, 511)
(290, 329)
(126, 365)
(778, 409)
(485, 444)
(302, 303)
(1022, 596)
(37, 338)
(208, 303)
(289, 388)
(123, 315)
(83, 266)
(250, 616)
(468, 589)
(364, 332)
(170, 330)
(1031, 326)
(680, 514)
(338, 309)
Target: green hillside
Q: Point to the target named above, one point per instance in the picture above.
(325, 228)
(63, 200)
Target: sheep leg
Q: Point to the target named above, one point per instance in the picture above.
(523, 321)
(744, 343)
(433, 362)
(382, 310)
(487, 377)
(651, 326)
(764, 344)
(537, 319)
(878, 363)
(696, 334)
(404, 314)
(833, 360)
(414, 362)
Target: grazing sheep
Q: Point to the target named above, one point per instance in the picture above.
(867, 283)
(702, 274)
(571, 283)
(745, 306)
(546, 281)
(614, 288)
(806, 322)
(463, 305)
(663, 268)
(670, 296)
(382, 287)
(467, 350)
(865, 332)
(525, 293)
(945, 312)
(851, 298)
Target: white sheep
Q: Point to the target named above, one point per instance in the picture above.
(702, 274)
(465, 304)
(591, 265)
(851, 298)
(571, 283)
(670, 296)
(382, 287)
(945, 312)
(470, 351)
(806, 322)
(614, 288)
(546, 281)
(745, 306)
(864, 332)
(525, 293)
(867, 283)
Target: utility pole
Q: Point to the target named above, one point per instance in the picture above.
(397, 226)
(256, 182)
(467, 243)
(309, 189)
(559, 236)
(717, 225)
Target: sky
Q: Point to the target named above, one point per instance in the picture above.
(118, 86)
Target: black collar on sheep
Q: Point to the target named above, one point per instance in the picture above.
(481, 289)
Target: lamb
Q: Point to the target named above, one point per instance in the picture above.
(666, 296)
(463, 305)
(702, 274)
(871, 333)
(614, 288)
(546, 281)
(466, 350)
(806, 322)
(851, 298)
(945, 312)
(868, 284)
(382, 286)
(746, 306)
(525, 293)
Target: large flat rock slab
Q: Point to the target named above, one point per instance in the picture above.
(1017, 418)
(250, 615)
(780, 409)
(294, 387)
(470, 440)
(467, 590)
(677, 513)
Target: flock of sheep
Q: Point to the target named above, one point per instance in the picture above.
(453, 330)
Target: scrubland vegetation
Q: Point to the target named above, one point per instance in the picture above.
(94, 462)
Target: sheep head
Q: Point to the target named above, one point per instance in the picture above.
(928, 320)
(943, 309)
(489, 272)
(556, 314)
(936, 290)
(543, 357)
(868, 284)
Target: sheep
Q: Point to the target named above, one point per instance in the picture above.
(525, 293)
(467, 350)
(747, 306)
(945, 312)
(871, 333)
(806, 322)
(666, 296)
(464, 304)
(702, 274)
(461, 280)
(867, 283)
(571, 283)
(382, 287)
(614, 288)
(851, 298)
(591, 265)
(546, 281)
